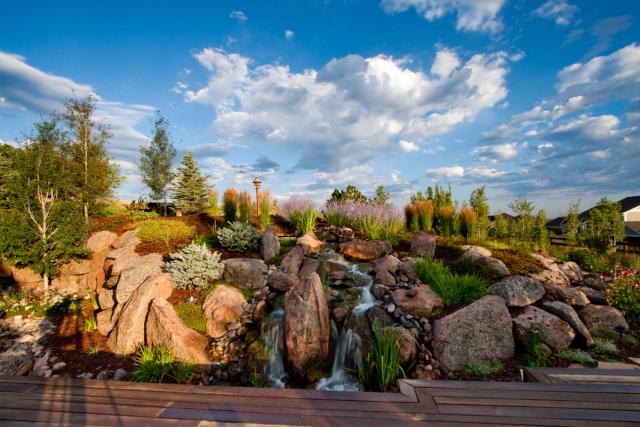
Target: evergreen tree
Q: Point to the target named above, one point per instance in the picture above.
(191, 191)
(156, 160)
(540, 231)
(93, 175)
(572, 224)
(478, 201)
(382, 196)
(350, 193)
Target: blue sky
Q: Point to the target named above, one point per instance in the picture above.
(539, 98)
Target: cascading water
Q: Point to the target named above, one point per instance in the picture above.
(273, 335)
(366, 299)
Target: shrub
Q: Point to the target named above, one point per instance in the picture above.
(468, 219)
(533, 344)
(267, 204)
(476, 267)
(294, 205)
(604, 346)
(238, 236)
(578, 356)
(305, 221)
(624, 294)
(337, 213)
(214, 209)
(445, 216)
(484, 369)
(453, 289)
(412, 222)
(142, 215)
(110, 209)
(155, 364)
(230, 204)
(244, 207)
(194, 266)
(424, 211)
(164, 231)
(382, 367)
(518, 262)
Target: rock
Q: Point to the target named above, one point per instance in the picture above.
(572, 271)
(340, 313)
(309, 266)
(119, 374)
(480, 253)
(26, 278)
(379, 291)
(518, 291)
(281, 282)
(270, 244)
(407, 268)
(423, 244)
(58, 366)
(571, 296)
(387, 263)
(365, 250)
(551, 277)
(135, 273)
(594, 296)
(384, 277)
(603, 317)
(421, 304)
(24, 367)
(164, 328)
(106, 299)
(471, 251)
(128, 239)
(100, 241)
(569, 315)
(378, 318)
(104, 321)
(292, 261)
(558, 334)
(224, 305)
(102, 375)
(310, 240)
(406, 341)
(77, 267)
(306, 327)
(128, 331)
(478, 333)
(245, 272)
(259, 311)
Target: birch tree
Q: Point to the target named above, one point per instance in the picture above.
(155, 162)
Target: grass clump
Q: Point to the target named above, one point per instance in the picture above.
(165, 231)
(90, 324)
(230, 204)
(476, 267)
(454, 289)
(382, 367)
(157, 364)
(483, 370)
(244, 207)
(518, 262)
(578, 356)
(192, 316)
(604, 346)
(110, 209)
(619, 339)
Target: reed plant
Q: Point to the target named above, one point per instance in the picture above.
(230, 204)
(214, 208)
(382, 367)
(266, 209)
(245, 211)
(445, 218)
(300, 212)
(338, 213)
(412, 222)
(468, 219)
(424, 212)
(454, 289)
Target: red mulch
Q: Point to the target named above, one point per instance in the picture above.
(179, 296)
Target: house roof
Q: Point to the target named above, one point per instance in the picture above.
(626, 204)
(556, 222)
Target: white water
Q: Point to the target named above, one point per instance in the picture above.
(273, 335)
(366, 299)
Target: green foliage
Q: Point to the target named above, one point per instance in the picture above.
(191, 191)
(350, 193)
(64, 306)
(604, 263)
(540, 233)
(382, 196)
(21, 303)
(624, 294)
(142, 215)
(484, 370)
(578, 356)
(476, 267)
(230, 204)
(604, 346)
(258, 379)
(501, 227)
(412, 222)
(165, 231)
(382, 367)
(238, 236)
(155, 162)
(194, 267)
(453, 288)
(605, 226)
(266, 209)
(192, 316)
(214, 209)
(607, 334)
(523, 227)
(478, 201)
(572, 224)
(468, 219)
(518, 262)
(304, 221)
(533, 344)
(244, 207)
(94, 350)
(155, 364)
(90, 323)
(445, 220)
(110, 210)
(183, 372)
(424, 212)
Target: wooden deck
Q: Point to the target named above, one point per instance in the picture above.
(29, 401)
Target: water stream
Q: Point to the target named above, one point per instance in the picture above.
(273, 336)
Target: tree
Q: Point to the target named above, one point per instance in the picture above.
(382, 196)
(605, 226)
(541, 233)
(522, 208)
(478, 201)
(572, 224)
(156, 160)
(7, 174)
(93, 175)
(191, 191)
(350, 193)
(501, 226)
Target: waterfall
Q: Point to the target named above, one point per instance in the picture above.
(340, 380)
(366, 299)
(273, 335)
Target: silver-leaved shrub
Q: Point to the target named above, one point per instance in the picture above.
(194, 266)
(238, 236)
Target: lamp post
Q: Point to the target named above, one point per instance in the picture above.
(256, 183)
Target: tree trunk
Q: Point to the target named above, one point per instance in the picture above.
(86, 212)
(165, 207)
(45, 278)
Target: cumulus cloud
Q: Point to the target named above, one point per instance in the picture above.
(289, 34)
(408, 146)
(560, 11)
(238, 15)
(349, 110)
(446, 172)
(445, 63)
(472, 15)
(493, 153)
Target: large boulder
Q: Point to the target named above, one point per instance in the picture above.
(224, 305)
(245, 272)
(478, 333)
(407, 269)
(518, 291)
(270, 244)
(309, 266)
(281, 282)
(106, 299)
(603, 317)
(551, 277)
(417, 301)
(26, 278)
(365, 250)
(595, 296)
(571, 296)
(384, 277)
(104, 321)
(128, 331)
(135, 273)
(311, 241)
(127, 239)
(306, 327)
(100, 241)
(406, 341)
(569, 315)
(99, 244)
(484, 255)
(292, 262)
(557, 333)
(387, 263)
(423, 244)
(572, 271)
(164, 328)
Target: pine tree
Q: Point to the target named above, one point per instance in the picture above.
(478, 201)
(93, 175)
(382, 196)
(191, 191)
(155, 162)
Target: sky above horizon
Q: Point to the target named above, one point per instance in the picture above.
(534, 98)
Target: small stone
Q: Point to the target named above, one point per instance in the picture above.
(119, 374)
(103, 375)
(58, 366)
(411, 292)
(391, 308)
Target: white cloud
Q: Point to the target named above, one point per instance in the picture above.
(445, 63)
(481, 172)
(446, 172)
(11, 143)
(600, 154)
(560, 11)
(238, 15)
(289, 34)
(472, 15)
(493, 153)
(348, 111)
(408, 146)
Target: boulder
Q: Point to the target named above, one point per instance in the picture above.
(384, 277)
(128, 239)
(292, 262)
(551, 277)
(259, 311)
(104, 321)
(378, 317)
(558, 334)
(164, 328)
(603, 317)
(245, 272)
(407, 269)
(571, 296)
(100, 241)
(270, 244)
(478, 333)
(365, 250)
(106, 299)
(417, 301)
(224, 305)
(136, 272)
(572, 271)
(471, 251)
(306, 327)
(128, 331)
(518, 291)
(569, 315)
(76, 267)
(281, 282)
(483, 254)
(423, 244)
(309, 266)
(594, 296)
(406, 341)
(311, 241)
(387, 263)
(26, 278)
